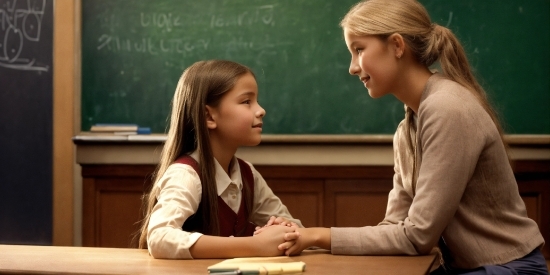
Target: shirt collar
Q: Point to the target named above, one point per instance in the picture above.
(223, 180)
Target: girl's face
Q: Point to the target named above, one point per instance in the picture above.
(237, 120)
(373, 60)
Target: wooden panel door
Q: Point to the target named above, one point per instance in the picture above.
(303, 198)
(112, 204)
(355, 203)
(533, 179)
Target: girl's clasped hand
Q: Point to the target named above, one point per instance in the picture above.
(290, 237)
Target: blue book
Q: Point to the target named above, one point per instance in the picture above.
(139, 131)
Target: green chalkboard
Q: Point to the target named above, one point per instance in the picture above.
(133, 53)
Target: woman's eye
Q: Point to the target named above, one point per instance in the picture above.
(358, 50)
(246, 101)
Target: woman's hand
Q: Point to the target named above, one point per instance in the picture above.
(308, 237)
(275, 239)
(299, 244)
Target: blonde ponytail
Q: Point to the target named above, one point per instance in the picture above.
(443, 45)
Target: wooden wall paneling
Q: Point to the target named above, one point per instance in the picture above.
(117, 170)
(324, 171)
(536, 195)
(533, 179)
(296, 186)
(118, 207)
(303, 198)
(355, 203)
(112, 203)
(318, 195)
(88, 212)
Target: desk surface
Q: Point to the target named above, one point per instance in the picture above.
(25, 259)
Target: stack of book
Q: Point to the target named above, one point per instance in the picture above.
(119, 129)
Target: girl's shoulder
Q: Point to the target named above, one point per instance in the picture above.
(179, 176)
(188, 160)
(181, 170)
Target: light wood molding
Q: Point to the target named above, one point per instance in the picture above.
(65, 81)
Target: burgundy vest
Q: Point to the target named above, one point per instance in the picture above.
(231, 223)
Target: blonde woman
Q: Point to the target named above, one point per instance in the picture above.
(453, 185)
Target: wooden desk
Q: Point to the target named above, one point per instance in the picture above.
(23, 259)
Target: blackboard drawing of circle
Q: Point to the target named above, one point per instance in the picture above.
(13, 44)
(31, 27)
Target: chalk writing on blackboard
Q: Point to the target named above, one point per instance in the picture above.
(177, 35)
(20, 25)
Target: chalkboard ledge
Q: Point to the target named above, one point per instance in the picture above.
(87, 138)
(528, 139)
(328, 139)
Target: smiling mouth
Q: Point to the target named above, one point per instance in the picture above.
(259, 125)
(365, 79)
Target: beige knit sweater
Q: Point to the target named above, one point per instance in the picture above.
(465, 190)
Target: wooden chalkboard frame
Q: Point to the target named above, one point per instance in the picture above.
(66, 121)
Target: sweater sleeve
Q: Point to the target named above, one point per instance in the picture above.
(399, 200)
(450, 144)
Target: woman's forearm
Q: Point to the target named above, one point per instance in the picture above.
(323, 237)
(316, 236)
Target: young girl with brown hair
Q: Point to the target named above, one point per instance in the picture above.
(453, 185)
(205, 202)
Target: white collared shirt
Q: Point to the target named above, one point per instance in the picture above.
(180, 196)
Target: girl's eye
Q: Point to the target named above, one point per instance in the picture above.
(358, 51)
(246, 101)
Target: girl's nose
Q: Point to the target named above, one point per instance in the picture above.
(260, 112)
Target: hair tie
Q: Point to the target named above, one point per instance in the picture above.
(437, 29)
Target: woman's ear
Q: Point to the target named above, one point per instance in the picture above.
(397, 43)
(210, 117)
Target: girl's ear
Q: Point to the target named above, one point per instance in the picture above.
(210, 117)
(397, 42)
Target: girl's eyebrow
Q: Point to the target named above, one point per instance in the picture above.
(248, 93)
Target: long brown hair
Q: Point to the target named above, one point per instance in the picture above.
(428, 42)
(203, 83)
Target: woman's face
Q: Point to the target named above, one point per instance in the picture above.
(373, 60)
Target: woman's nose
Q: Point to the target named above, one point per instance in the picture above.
(354, 68)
